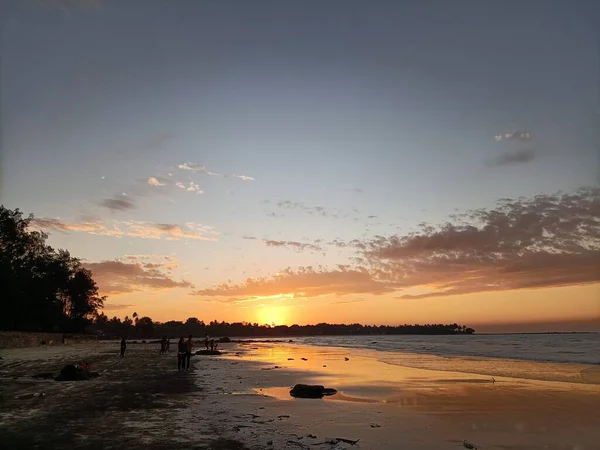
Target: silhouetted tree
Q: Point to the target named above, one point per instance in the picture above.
(42, 289)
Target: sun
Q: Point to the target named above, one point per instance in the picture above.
(272, 315)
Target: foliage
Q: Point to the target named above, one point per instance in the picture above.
(43, 289)
(146, 328)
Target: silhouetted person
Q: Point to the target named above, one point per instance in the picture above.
(163, 345)
(123, 347)
(206, 341)
(181, 350)
(168, 345)
(189, 345)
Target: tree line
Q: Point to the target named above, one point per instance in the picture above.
(145, 327)
(44, 289)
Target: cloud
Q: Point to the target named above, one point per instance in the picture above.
(192, 187)
(193, 167)
(243, 177)
(312, 210)
(118, 277)
(59, 225)
(118, 204)
(512, 158)
(139, 229)
(515, 135)
(540, 242)
(546, 241)
(294, 245)
(115, 307)
(303, 282)
(153, 181)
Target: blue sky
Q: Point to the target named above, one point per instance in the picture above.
(383, 109)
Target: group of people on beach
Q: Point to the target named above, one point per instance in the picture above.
(184, 349)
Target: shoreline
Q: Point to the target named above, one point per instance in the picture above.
(240, 401)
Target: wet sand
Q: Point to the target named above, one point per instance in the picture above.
(134, 403)
(241, 401)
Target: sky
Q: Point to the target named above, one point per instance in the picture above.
(300, 162)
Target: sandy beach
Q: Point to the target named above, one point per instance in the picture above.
(241, 400)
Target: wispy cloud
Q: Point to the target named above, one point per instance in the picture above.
(514, 135)
(303, 282)
(312, 210)
(243, 177)
(198, 168)
(193, 167)
(294, 245)
(118, 277)
(138, 229)
(118, 203)
(512, 158)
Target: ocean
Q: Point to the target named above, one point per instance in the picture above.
(577, 348)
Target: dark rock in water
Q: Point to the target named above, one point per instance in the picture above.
(346, 359)
(311, 391)
(225, 340)
(143, 342)
(209, 352)
(290, 341)
(304, 359)
(290, 359)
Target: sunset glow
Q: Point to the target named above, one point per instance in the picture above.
(290, 173)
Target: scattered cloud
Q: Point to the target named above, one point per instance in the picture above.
(303, 282)
(294, 245)
(243, 177)
(546, 241)
(153, 181)
(65, 227)
(512, 158)
(139, 229)
(358, 190)
(312, 210)
(193, 167)
(118, 203)
(118, 277)
(515, 135)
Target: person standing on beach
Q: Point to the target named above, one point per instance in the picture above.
(123, 347)
(181, 350)
(189, 345)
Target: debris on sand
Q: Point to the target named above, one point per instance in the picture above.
(469, 445)
(76, 372)
(26, 396)
(311, 391)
